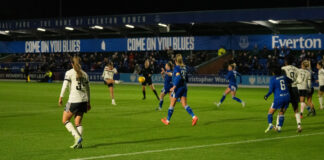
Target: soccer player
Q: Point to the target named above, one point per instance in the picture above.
(108, 76)
(147, 73)
(291, 72)
(279, 86)
(310, 104)
(232, 87)
(26, 70)
(303, 84)
(79, 100)
(319, 66)
(167, 75)
(179, 90)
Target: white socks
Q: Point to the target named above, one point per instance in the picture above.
(320, 99)
(80, 130)
(69, 126)
(302, 106)
(297, 115)
(277, 120)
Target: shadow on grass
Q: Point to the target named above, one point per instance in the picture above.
(135, 141)
(230, 120)
(136, 113)
(18, 115)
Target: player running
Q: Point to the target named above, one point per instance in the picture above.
(291, 72)
(232, 87)
(303, 85)
(279, 86)
(79, 100)
(319, 66)
(108, 76)
(167, 75)
(179, 90)
(147, 73)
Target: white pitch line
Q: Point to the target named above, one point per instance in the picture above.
(195, 147)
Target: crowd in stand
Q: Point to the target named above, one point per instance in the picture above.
(258, 62)
(125, 62)
(254, 62)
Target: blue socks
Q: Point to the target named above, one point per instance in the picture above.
(234, 98)
(223, 98)
(270, 118)
(170, 112)
(281, 120)
(237, 99)
(161, 103)
(189, 110)
(308, 108)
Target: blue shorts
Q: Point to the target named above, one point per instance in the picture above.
(280, 104)
(179, 92)
(166, 89)
(232, 87)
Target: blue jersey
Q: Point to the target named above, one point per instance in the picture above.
(231, 76)
(168, 79)
(179, 76)
(279, 86)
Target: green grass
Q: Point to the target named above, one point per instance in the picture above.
(31, 127)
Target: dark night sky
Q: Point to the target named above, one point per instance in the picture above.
(13, 9)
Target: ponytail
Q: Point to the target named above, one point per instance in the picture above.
(233, 65)
(179, 60)
(77, 67)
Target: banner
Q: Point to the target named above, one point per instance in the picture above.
(184, 43)
(195, 79)
(216, 16)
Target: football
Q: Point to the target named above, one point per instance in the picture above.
(141, 79)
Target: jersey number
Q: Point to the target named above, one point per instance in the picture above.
(80, 84)
(282, 85)
(183, 73)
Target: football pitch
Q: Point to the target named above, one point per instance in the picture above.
(31, 127)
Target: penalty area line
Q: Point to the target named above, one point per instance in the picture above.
(196, 147)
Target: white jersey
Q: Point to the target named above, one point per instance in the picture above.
(291, 73)
(321, 77)
(304, 79)
(108, 74)
(79, 88)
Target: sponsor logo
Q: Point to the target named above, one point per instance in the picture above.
(133, 77)
(244, 42)
(252, 80)
(103, 45)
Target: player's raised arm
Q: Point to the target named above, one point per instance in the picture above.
(271, 89)
(103, 73)
(238, 74)
(115, 71)
(87, 87)
(309, 81)
(177, 79)
(67, 80)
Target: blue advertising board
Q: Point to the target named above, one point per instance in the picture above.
(183, 43)
(194, 79)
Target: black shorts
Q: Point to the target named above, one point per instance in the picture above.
(294, 96)
(303, 93)
(309, 94)
(110, 84)
(148, 81)
(321, 88)
(76, 107)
